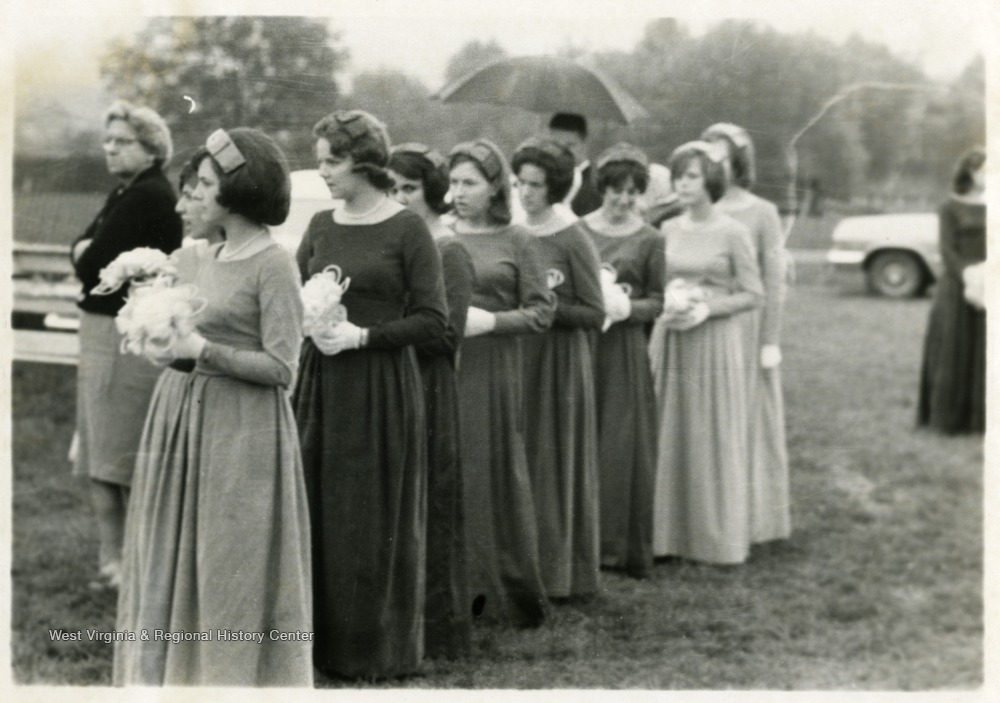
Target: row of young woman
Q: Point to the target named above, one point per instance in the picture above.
(481, 434)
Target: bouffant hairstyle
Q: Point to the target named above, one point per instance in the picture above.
(708, 158)
(742, 158)
(360, 136)
(419, 167)
(554, 159)
(971, 162)
(259, 188)
(489, 161)
(189, 171)
(615, 174)
(569, 122)
(150, 129)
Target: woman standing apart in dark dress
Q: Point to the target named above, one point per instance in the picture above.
(701, 506)
(559, 413)
(420, 183)
(953, 376)
(113, 389)
(626, 406)
(769, 491)
(510, 299)
(360, 410)
(218, 529)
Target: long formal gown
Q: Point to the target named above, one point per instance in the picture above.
(448, 609)
(217, 538)
(626, 404)
(560, 416)
(953, 374)
(501, 533)
(769, 490)
(701, 505)
(362, 425)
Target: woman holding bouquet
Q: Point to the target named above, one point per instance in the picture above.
(510, 300)
(360, 409)
(114, 389)
(560, 420)
(420, 183)
(626, 406)
(701, 505)
(769, 499)
(218, 537)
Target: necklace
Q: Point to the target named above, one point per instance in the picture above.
(225, 254)
(363, 215)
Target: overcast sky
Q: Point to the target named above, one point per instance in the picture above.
(56, 44)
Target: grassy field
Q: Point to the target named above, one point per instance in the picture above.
(879, 588)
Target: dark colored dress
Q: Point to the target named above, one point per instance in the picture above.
(626, 405)
(501, 534)
(448, 612)
(560, 417)
(113, 389)
(362, 427)
(953, 376)
(217, 538)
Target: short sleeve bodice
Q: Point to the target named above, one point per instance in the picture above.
(638, 260)
(569, 251)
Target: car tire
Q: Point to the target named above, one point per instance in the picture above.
(896, 274)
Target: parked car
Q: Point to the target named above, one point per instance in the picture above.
(45, 318)
(898, 254)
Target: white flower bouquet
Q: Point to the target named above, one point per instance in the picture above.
(155, 316)
(681, 295)
(141, 265)
(974, 280)
(617, 305)
(321, 296)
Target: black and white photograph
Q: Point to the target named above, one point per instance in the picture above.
(579, 349)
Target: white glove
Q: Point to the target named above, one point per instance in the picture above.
(974, 285)
(479, 321)
(189, 346)
(343, 336)
(692, 317)
(770, 356)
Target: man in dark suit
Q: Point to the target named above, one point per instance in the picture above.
(570, 130)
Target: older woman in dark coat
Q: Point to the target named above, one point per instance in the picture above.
(113, 389)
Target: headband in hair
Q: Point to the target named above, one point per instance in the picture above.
(623, 151)
(734, 133)
(432, 155)
(353, 123)
(483, 155)
(221, 148)
(546, 146)
(716, 153)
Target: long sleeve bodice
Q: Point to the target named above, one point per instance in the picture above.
(459, 280)
(509, 281)
(252, 320)
(640, 262)
(139, 215)
(716, 254)
(396, 288)
(961, 235)
(579, 302)
(762, 219)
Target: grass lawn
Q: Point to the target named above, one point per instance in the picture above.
(879, 587)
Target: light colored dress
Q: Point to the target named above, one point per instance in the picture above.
(217, 539)
(701, 504)
(769, 490)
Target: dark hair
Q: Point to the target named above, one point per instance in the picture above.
(489, 161)
(971, 162)
(417, 167)
(189, 171)
(740, 148)
(554, 159)
(259, 189)
(569, 122)
(713, 171)
(361, 137)
(615, 174)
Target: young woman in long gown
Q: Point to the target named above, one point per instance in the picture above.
(626, 405)
(701, 508)
(359, 403)
(953, 374)
(218, 531)
(559, 412)
(420, 183)
(510, 299)
(769, 491)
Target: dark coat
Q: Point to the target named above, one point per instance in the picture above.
(588, 198)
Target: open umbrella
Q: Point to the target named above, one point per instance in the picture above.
(545, 84)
